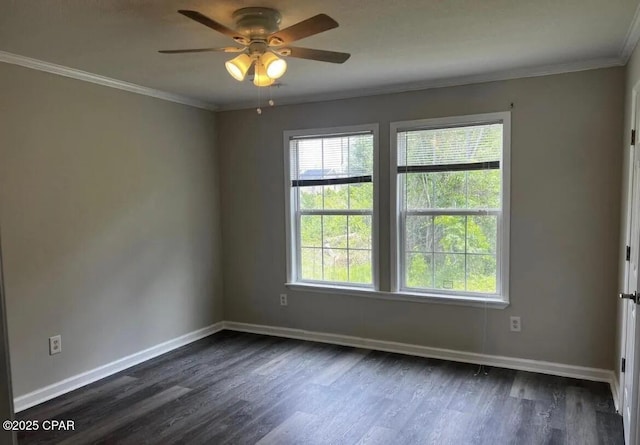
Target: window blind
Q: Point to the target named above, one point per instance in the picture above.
(331, 160)
(473, 147)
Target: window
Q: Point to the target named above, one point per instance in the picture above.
(451, 194)
(331, 206)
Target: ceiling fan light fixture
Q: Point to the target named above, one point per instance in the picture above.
(260, 79)
(238, 66)
(274, 66)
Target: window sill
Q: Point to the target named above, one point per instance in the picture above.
(493, 303)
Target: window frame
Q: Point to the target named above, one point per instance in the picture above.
(503, 221)
(291, 209)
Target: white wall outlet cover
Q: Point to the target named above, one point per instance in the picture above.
(55, 344)
(515, 324)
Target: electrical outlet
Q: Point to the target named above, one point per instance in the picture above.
(283, 300)
(55, 345)
(514, 324)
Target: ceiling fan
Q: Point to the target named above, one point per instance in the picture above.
(262, 41)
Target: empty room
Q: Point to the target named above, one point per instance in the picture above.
(336, 222)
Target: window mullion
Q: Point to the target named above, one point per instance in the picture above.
(298, 235)
(330, 212)
(456, 212)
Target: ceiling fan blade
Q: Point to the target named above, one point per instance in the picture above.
(317, 54)
(314, 25)
(229, 49)
(206, 21)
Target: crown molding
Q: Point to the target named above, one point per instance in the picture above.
(633, 35)
(40, 65)
(518, 73)
(511, 74)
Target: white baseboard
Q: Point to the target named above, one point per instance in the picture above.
(559, 369)
(49, 392)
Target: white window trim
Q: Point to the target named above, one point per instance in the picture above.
(290, 217)
(502, 299)
(412, 297)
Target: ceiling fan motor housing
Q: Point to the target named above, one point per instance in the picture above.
(257, 23)
(257, 48)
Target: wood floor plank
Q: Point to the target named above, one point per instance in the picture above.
(350, 420)
(343, 363)
(510, 421)
(378, 435)
(277, 363)
(76, 399)
(609, 426)
(474, 392)
(92, 413)
(210, 420)
(289, 431)
(277, 400)
(271, 400)
(117, 420)
(409, 396)
(296, 368)
(419, 425)
(399, 413)
(170, 422)
(449, 427)
(236, 388)
(221, 371)
(531, 386)
(523, 386)
(413, 381)
(580, 417)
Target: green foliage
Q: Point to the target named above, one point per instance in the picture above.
(337, 197)
(479, 189)
(419, 270)
(436, 247)
(336, 248)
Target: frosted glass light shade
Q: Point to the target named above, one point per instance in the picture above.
(261, 79)
(274, 65)
(239, 66)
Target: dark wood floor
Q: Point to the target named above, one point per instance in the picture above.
(234, 388)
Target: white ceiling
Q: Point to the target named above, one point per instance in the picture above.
(394, 44)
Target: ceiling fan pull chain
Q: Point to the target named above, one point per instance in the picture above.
(259, 109)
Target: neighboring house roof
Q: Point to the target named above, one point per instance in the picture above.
(318, 173)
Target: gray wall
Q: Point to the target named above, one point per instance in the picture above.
(6, 392)
(109, 208)
(565, 219)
